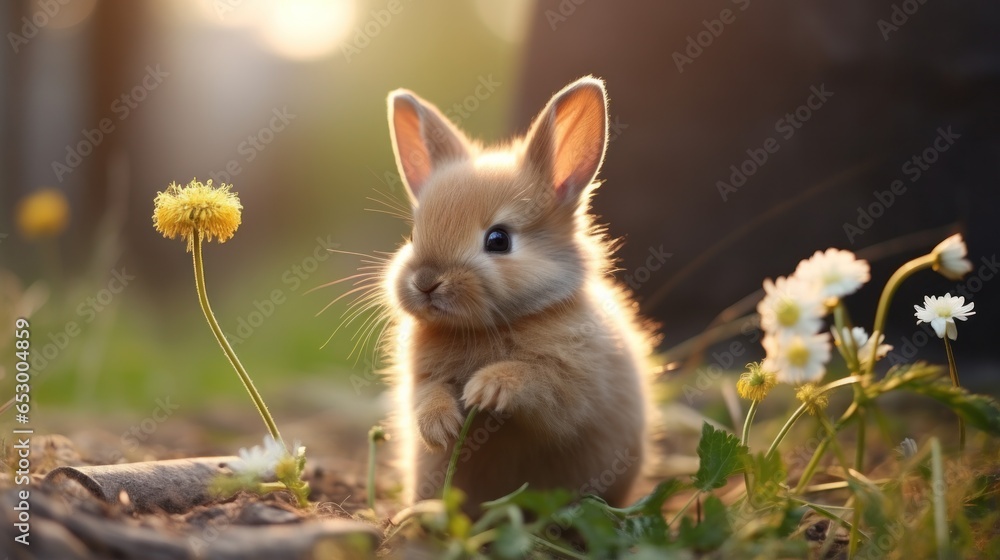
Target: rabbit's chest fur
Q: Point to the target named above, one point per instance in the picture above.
(591, 417)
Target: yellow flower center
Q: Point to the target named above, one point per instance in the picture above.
(798, 353)
(788, 312)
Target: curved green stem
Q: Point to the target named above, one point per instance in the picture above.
(784, 429)
(199, 279)
(746, 435)
(556, 548)
(891, 286)
(802, 409)
(749, 420)
(859, 464)
(810, 469)
(453, 462)
(684, 507)
(953, 370)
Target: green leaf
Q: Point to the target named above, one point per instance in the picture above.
(599, 529)
(768, 474)
(652, 504)
(711, 532)
(978, 410)
(543, 503)
(721, 455)
(512, 542)
(646, 529)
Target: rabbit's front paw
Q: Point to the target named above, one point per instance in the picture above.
(439, 420)
(495, 387)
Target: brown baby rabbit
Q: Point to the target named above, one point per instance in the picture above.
(503, 299)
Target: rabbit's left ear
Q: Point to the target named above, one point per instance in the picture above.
(568, 138)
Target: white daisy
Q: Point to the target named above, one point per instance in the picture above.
(796, 358)
(259, 462)
(837, 273)
(862, 344)
(790, 306)
(949, 258)
(941, 313)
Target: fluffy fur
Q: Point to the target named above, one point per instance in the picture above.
(541, 338)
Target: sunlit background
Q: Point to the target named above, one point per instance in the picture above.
(109, 102)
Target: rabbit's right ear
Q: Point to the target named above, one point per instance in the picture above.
(422, 139)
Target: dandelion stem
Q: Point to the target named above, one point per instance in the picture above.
(891, 286)
(953, 370)
(453, 462)
(788, 426)
(749, 420)
(859, 461)
(810, 469)
(746, 435)
(199, 278)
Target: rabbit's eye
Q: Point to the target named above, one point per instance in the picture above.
(497, 241)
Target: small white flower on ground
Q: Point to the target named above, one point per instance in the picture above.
(790, 306)
(797, 359)
(862, 344)
(941, 313)
(838, 273)
(865, 350)
(259, 461)
(908, 448)
(949, 258)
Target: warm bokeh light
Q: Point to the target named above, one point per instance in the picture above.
(70, 14)
(507, 20)
(306, 29)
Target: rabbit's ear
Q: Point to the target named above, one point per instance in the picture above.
(568, 138)
(422, 139)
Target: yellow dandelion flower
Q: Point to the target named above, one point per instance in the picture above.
(197, 209)
(43, 213)
(815, 401)
(755, 383)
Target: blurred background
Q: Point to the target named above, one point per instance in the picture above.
(745, 136)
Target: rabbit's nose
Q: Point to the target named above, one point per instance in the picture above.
(426, 281)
